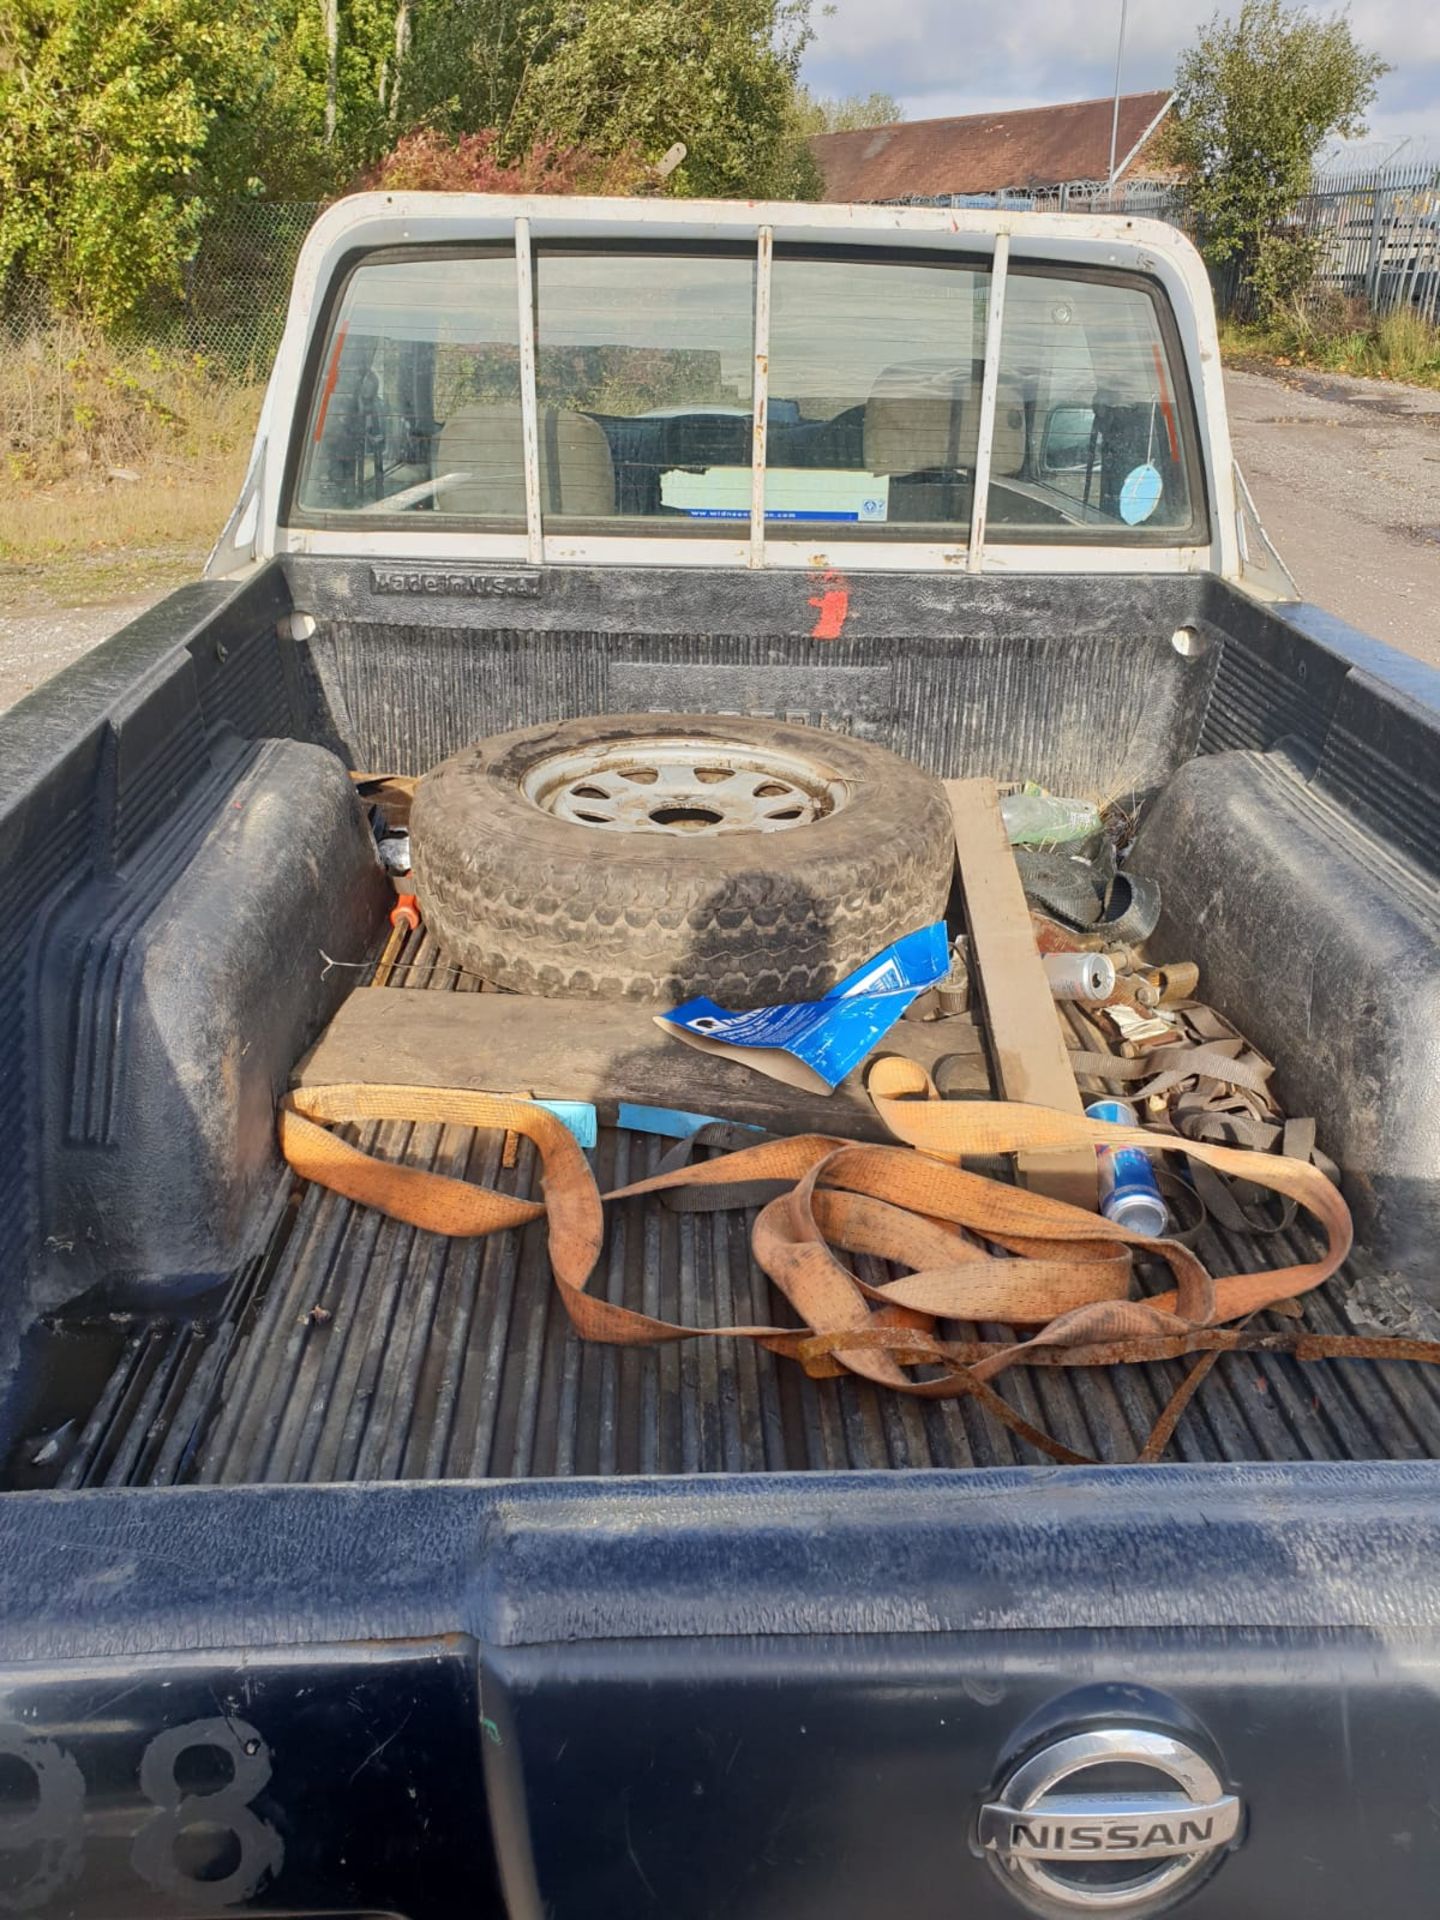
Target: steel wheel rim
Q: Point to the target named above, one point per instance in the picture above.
(684, 787)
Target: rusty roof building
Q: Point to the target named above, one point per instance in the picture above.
(1036, 149)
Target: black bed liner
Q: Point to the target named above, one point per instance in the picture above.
(359, 1349)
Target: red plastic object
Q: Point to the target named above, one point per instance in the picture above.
(406, 912)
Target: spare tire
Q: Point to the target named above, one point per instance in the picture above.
(656, 856)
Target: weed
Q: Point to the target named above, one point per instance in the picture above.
(106, 449)
(1337, 334)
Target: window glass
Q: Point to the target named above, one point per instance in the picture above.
(644, 372)
(417, 400)
(875, 373)
(1090, 433)
(644, 378)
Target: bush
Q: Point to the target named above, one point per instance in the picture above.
(1282, 270)
(718, 76)
(426, 162)
(122, 124)
(1257, 96)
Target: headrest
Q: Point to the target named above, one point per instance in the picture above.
(484, 445)
(927, 419)
(914, 418)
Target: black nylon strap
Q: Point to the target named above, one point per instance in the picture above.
(728, 1137)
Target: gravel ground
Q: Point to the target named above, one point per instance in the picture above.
(1345, 473)
(35, 645)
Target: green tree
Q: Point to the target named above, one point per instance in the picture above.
(131, 128)
(718, 75)
(123, 123)
(457, 65)
(347, 58)
(821, 114)
(1256, 97)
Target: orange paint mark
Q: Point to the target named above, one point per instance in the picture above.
(331, 377)
(832, 604)
(1165, 406)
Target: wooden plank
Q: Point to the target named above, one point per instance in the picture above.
(603, 1052)
(1031, 1061)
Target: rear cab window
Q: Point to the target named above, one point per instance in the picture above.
(644, 398)
(1093, 434)
(874, 363)
(644, 383)
(414, 343)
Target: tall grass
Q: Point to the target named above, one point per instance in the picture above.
(1403, 346)
(106, 448)
(1340, 335)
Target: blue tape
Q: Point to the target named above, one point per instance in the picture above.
(579, 1117)
(670, 1121)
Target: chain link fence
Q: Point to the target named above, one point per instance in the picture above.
(230, 308)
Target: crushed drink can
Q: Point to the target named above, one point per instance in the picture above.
(1129, 1192)
(1080, 976)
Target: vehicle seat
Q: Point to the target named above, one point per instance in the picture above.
(482, 447)
(922, 425)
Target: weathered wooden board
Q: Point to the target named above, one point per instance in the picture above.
(603, 1052)
(1031, 1060)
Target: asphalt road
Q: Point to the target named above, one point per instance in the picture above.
(1345, 473)
(1346, 477)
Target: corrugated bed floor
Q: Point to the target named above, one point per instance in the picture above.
(360, 1349)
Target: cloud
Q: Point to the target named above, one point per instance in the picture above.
(970, 56)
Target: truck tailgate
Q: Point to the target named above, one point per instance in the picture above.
(704, 1698)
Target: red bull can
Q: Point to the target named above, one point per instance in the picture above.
(1129, 1192)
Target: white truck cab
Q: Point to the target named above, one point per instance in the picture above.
(714, 384)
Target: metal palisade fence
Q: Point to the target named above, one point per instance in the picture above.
(1376, 234)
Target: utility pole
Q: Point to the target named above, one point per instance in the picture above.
(1115, 116)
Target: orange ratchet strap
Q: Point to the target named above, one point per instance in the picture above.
(977, 1249)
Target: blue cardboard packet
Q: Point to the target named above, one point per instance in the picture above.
(815, 1043)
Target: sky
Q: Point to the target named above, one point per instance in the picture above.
(972, 56)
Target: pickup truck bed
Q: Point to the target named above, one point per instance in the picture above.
(160, 1265)
(337, 1574)
(357, 1349)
